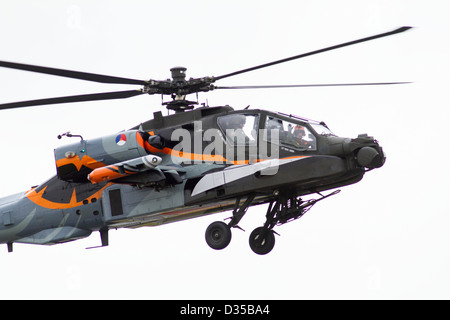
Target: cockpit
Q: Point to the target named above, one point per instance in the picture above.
(286, 131)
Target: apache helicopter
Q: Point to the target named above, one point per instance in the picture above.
(194, 162)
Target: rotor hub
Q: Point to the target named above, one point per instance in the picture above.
(178, 74)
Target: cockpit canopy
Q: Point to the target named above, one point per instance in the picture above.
(291, 132)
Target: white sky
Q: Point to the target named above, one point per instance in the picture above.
(384, 238)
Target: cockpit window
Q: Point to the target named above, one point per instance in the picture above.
(240, 129)
(291, 135)
(322, 129)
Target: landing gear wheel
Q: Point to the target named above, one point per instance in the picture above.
(264, 245)
(218, 235)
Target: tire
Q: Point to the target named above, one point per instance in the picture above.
(264, 246)
(218, 235)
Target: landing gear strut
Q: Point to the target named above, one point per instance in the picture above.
(285, 208)
(218, 234)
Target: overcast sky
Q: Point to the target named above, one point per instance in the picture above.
(386, 237)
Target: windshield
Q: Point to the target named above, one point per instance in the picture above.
(322, 129)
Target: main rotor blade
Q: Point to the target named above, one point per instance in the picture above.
(399, 30)
(71, 74)
(77, 98)
(311, 85)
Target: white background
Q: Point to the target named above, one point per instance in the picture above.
(386, 237)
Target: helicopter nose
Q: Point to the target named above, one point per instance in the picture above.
(370, 158)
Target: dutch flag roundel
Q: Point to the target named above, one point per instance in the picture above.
(121, 139)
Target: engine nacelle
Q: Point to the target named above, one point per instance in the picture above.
(75, 161)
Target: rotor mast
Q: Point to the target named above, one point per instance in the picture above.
(179, 102)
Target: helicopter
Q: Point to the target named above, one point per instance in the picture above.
(191, 163)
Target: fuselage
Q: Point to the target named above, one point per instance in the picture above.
(206, 159)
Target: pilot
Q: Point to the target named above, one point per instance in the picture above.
(233, 126)
(299, 137)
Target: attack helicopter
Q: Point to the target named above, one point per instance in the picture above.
(191, 163)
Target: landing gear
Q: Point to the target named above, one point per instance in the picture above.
(218, 235)
(262, 241)
(284, 208)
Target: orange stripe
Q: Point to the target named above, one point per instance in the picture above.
(193, 156)
(36, 197)
(86, 161)
(140, 140)
(107, 173)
